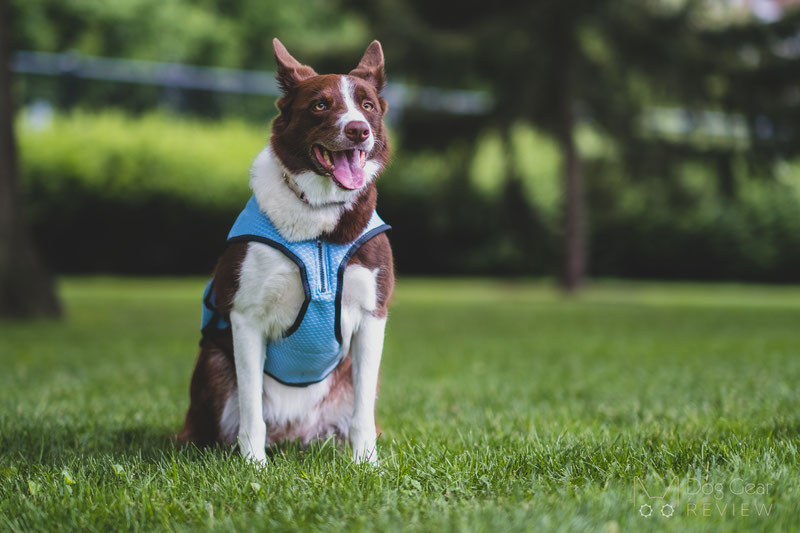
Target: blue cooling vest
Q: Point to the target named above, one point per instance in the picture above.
(310, 349)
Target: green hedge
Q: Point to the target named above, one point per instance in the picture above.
(156, 194)
(111, 193)
(133, 159)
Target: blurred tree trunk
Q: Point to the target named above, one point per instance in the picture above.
(574, 239)
(26, 288)
(574, 263)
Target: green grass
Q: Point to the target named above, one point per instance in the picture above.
(503, 407)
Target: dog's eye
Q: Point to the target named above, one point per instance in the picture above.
(320, 106)
(368, 106)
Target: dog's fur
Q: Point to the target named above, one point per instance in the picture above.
(260, 290)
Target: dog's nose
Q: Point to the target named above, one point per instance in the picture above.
(356, 131)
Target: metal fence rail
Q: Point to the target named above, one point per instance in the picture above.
(181, 76)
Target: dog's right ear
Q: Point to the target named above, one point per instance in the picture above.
(371, 66)
(290, 70)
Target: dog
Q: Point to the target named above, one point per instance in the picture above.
(295, 314)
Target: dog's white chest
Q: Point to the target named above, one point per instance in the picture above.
(271, 293)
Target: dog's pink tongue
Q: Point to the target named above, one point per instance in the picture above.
(348, 173)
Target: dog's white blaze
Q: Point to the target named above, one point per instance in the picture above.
(352, 113)
(269, 297)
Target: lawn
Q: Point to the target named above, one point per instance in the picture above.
(504, 407)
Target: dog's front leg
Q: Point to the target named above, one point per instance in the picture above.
(249, 353)
(366, 353)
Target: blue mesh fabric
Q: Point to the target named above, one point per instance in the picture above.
(311, 348)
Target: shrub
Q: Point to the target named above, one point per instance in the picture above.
(110, 193)
(157, 194)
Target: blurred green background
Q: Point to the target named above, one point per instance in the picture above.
(680, 116)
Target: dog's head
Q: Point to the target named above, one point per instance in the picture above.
(331, 125)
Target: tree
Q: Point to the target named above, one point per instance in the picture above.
(26, 288)
(552, 63)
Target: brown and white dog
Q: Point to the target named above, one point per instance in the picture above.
(325, 122)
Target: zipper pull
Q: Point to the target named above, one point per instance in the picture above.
(322, 267)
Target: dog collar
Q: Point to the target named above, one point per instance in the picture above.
(301, 195)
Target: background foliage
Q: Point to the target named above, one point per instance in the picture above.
(688, 144)
(157, 193)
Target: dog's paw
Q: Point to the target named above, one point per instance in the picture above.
(255, 455)
(364, 448)
(368, 456)
(258, 461)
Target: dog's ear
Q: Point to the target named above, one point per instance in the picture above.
(290, 70)
(371, 66)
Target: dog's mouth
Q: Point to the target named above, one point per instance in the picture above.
(346, 167)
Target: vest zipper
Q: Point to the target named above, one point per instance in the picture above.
(321, 267)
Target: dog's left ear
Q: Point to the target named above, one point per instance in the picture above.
(371, 66)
